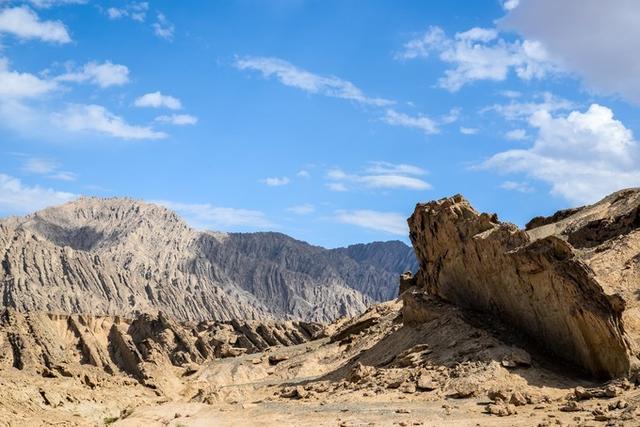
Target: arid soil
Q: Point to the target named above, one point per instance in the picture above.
(376, 369)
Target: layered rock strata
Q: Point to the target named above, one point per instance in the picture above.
(570, 281)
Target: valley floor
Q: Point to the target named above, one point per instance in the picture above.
(371, 370)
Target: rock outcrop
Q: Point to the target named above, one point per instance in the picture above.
(120, 257)
(67, 345)
(570, 281)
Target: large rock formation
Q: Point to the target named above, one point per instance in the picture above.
(570, 281)
(121, 256)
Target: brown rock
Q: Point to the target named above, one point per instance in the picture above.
(583, 259)
(501, 409)
(426, 383)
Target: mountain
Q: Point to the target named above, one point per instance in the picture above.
(121, 256)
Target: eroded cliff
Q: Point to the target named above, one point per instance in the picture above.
(570, 282)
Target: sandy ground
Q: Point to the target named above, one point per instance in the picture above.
(373, 371)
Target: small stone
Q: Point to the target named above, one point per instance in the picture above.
(501, 409)
(518, 399)
(582, 394)
(571, 406)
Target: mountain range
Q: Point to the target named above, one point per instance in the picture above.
(120, 256)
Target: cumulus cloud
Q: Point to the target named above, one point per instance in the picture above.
(134, 10)
(96, 118)
(389, 222)
(24, 23)
(178, 119)
(158, 100)
(290, 75)
(18, 198)
(304, 209)
(479, 54)
(597, 41)
(211, 217)
(583, 156)
(275, 181)
(420, 122)
(379, 175)
(16, 85)
(163, 28)
(104, 75)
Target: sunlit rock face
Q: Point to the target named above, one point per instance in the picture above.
(570, 282)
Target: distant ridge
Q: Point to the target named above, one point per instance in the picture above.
(120, 256)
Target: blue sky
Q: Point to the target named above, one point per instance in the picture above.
(325, 120)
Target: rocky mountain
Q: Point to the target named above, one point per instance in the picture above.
(121, 256)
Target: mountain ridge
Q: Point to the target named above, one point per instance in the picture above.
(120, 256)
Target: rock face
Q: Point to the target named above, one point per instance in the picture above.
(570, 281)
(64, 345)
(121, 257)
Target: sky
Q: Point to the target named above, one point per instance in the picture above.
(325, 120)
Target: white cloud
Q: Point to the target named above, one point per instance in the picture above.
(96, 118)
(208, 216)
(104, 75)
(379, 175)
(389, 222)
(583, 156)
(25, 24)
(423, 45)
(178, 119)
(468, 131)
(544, 101)
(17, 198)
(47, 167)
(158, 100)
(379, 167)
(275, 181)
(479, 54)
(597, 41)
(516, 135)
(163, 28)
(40, 166)
(16, 85)
(45, 4)
(451, 117)
(303, 173)
(135, 10)
(511, 94)
(420, 122)
(510, 4)
(304, 209)
(337, 186)
(290, 75)
(521, 187)
(63, 176)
